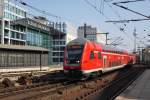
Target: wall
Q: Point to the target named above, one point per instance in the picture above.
(15, 58)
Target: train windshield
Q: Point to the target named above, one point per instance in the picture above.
(74, 54)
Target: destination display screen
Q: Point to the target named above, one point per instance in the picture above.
(75, 46)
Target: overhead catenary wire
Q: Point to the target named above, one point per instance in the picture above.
(101, 6)
(46, 12)
(129, 1)
(115, 12)
(126, 8)
(126, 21)
(93, 6)
(123, 31)
(39, 10)
(49, 14)
(117, 39)
(131, 10)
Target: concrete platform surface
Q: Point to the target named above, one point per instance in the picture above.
(31, 68)
(138, 90)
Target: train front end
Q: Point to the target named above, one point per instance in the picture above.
(73, 59)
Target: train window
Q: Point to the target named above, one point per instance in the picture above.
(74, 54)
(92, 55)
(99, 55)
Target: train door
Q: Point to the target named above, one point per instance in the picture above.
(105, 61)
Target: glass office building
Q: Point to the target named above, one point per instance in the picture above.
(11, 34)
(45, 35)
(17, 29)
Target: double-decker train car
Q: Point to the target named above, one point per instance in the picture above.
(84, 58)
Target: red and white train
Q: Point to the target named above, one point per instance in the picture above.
(83, 58)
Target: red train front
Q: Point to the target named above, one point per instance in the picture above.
(84, 58)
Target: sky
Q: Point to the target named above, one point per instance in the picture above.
(78, 12)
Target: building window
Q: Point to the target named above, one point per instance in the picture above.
(6, 6)
(13, 34)
(17, 35)
(56, 59)
(22, 36)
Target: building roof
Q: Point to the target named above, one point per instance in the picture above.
(31, 23)
(26, 48)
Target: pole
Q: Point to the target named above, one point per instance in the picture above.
(40, 61)
(59, 41)
(106, 38)
(134, 34)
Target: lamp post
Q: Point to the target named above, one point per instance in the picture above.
(134, 34)
(41, 60)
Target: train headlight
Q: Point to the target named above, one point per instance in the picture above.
(78, 61)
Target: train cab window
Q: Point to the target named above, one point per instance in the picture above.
(74, 53)
(99, 55)
(92, 55)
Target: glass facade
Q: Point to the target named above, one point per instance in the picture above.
(11, 34)
(11, 16)
(55, 45)
(36, 38)
(39, 38)
(38, 34)
(17, 35)
(13, 12)
(14, 9)
(58, 46)
(32, 32)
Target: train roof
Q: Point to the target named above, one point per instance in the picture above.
(82, 41)
(111, 48)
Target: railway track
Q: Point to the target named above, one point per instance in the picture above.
(12, 80)
(36, 90)
(23, 92)
(104, 88)
(114, 88)
(74, 90)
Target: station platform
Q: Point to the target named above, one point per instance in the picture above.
(32, 68)
(138, 90)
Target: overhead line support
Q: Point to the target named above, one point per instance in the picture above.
(131, 10)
